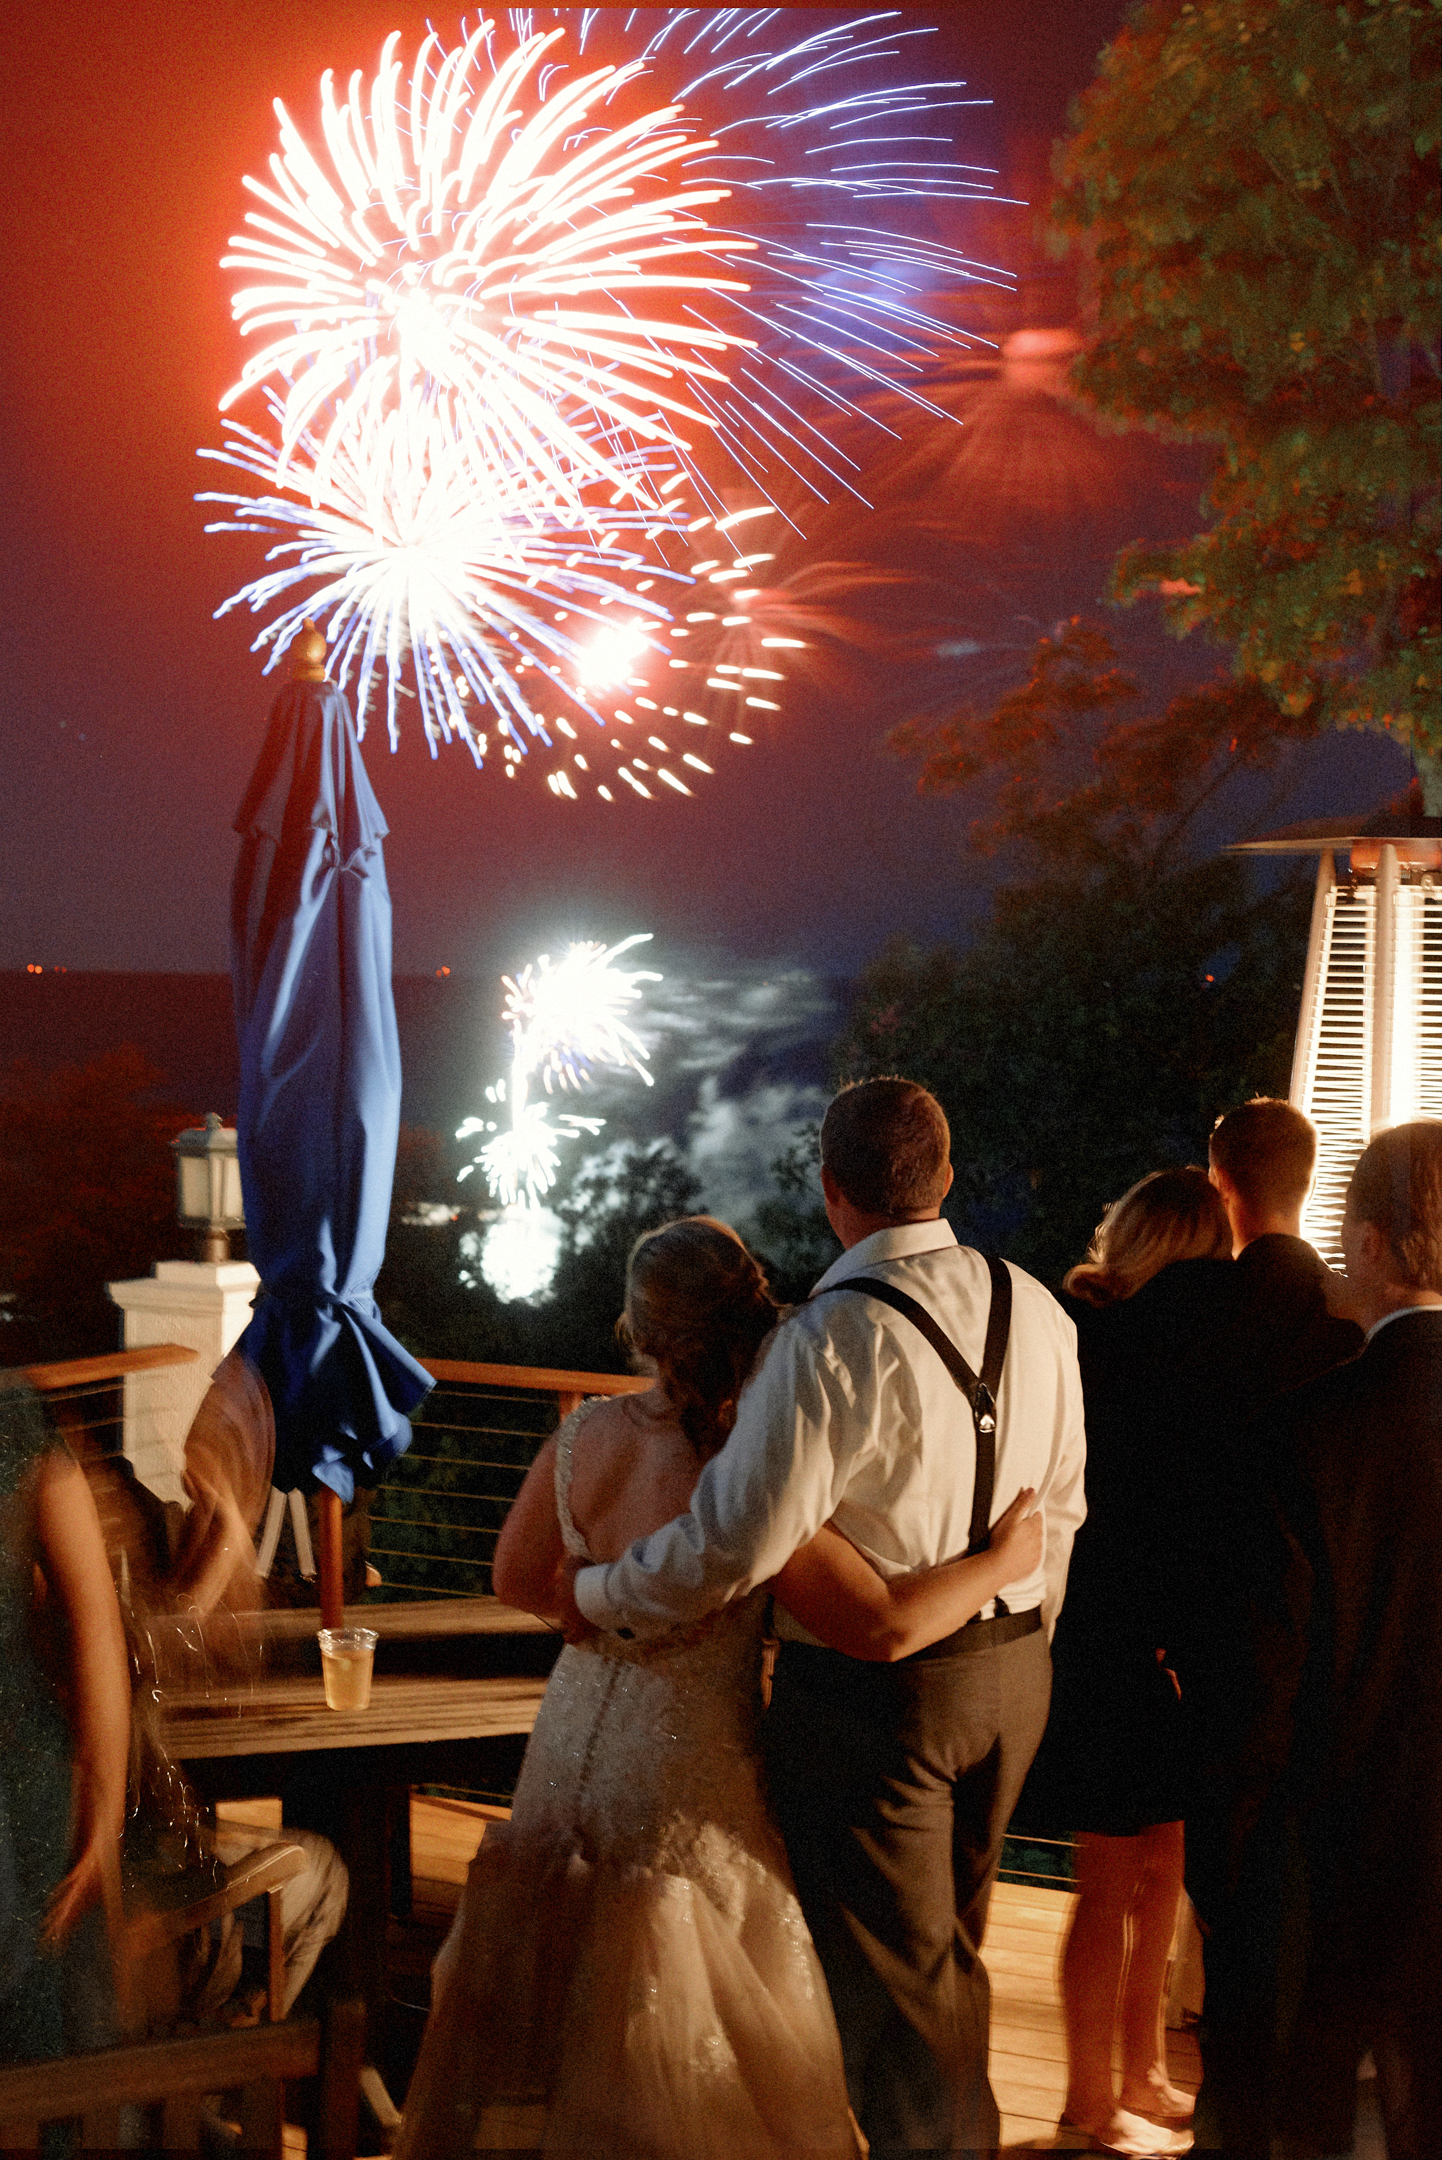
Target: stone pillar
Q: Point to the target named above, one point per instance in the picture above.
(203, 1304)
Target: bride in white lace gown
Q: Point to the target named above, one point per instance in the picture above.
(629, 1944)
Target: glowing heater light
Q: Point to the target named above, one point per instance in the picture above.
(1369, 1035)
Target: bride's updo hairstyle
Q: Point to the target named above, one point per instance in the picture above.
(698, 1308)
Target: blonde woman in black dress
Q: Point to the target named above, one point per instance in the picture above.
(1155, 1308)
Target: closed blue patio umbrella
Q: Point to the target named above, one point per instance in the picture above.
(320, 1085)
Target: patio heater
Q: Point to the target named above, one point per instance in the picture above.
(1369, 1035)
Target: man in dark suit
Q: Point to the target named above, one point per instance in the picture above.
(1352, 1829)
(1261, 1158)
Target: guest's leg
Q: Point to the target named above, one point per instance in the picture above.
(312, 1903)
(997, 1719)
(1408, 2054)
(1091, 1972)
(1243, 1958)
(1146, 2086)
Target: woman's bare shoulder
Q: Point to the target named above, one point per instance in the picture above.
(603, 1440)
(628, 1437)
(605, 1424)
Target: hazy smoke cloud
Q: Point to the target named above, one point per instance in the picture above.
(733, 1140)
(739, 1057)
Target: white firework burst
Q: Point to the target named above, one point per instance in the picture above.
(477, 239)
(528, 320)
(566, 1018)
(402, 555)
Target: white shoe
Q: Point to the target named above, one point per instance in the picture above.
(1131, 2134)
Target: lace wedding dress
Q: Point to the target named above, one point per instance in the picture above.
(629, 1943)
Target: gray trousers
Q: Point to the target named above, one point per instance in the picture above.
(892, 1786)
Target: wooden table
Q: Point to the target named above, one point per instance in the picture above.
(287, 1715)
(456, 1690)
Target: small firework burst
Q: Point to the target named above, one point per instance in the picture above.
(566, 1019)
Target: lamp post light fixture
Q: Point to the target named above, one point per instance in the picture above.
(207, 1180)
(1369, 1035)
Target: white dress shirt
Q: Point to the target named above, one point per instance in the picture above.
(853, 1419)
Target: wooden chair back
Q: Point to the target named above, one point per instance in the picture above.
(167, 2081)
(156, 1923)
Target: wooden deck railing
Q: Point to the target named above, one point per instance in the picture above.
(569, 1388)
(92, 1371)
(438, 1514)
(105, 1399)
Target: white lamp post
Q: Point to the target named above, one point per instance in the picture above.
(207, 1180)
(1369, 1035)
(204, 1303)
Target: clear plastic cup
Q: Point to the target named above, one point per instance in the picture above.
(347, 1655)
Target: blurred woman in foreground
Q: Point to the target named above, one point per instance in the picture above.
(66, 1743)
(1154, 1304)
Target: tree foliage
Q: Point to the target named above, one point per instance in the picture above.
(1256, 185)
(789, 1232)
(1090, 1035)
(612, 1198)
(1065, 769)
(433, 1300)
(87, 1197)
(1128, 989)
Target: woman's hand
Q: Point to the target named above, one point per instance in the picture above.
(1018, 1537)
(94, 1877)
(72, 1555)
(842, 1600)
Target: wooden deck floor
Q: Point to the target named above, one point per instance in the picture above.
(1028, 2047)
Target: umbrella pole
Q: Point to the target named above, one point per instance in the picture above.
(332, 1576)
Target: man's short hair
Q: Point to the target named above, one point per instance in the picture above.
(1268, 1149)
(1397, 1186)
(888, 1146)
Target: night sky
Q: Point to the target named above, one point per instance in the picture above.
(131, 718)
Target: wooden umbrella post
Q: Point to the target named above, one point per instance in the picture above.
(332, 1572)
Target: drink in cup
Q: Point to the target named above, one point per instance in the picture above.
(346, 1657)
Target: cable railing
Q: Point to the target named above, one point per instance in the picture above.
(101, 1402)
(1039, 1863)
(435, 1521)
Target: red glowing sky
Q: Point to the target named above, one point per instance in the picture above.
(131, 718)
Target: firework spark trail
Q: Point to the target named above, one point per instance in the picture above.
(459, 257)
(415, 558)
(565, 1018)
(522, 1162)
(520, 317)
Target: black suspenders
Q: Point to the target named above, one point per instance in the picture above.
(979, 1392)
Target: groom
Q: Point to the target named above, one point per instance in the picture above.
(892, 1784)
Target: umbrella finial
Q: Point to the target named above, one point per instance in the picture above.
(308, 655)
